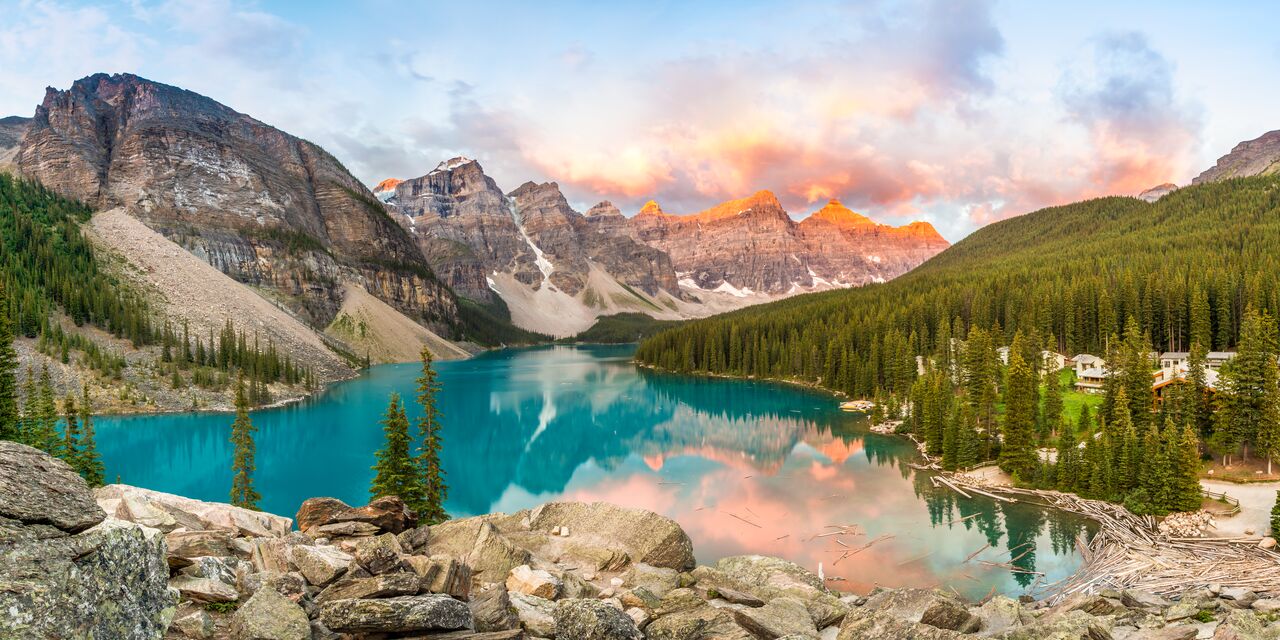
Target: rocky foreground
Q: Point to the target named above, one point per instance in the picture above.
(124, 562)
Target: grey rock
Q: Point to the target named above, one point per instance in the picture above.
(270, 616)
(204, 589)
(645, 536)
(781, 617)
(1143, 600)
(290, 584)
(658, 580)
(320, 565)
(197, 624)
(1179, 632)
(109, 581)
(379, 554)
(396, 615)
(949, 614)
(392, 584)
(1238, 596)
(593, 620)
(184, 545)
(697, 623)
(38, 489)
(537, 615)
(1266, 605)
(737, 597)
(877, 624)
(492, 610)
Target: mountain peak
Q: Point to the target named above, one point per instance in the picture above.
(387, 185)
(651, 208)
(841, 216)
(452, 163)
(603, 208)
(1158, 191)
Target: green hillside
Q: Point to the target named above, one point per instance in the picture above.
(1184, 268)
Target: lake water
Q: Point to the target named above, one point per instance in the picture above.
(744, 467)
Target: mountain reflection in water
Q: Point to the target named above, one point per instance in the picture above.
(744, 467)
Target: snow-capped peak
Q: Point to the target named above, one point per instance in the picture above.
(452, 163)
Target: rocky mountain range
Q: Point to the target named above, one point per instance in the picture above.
(280, 214)
(557, 269)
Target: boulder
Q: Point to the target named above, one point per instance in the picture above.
(536, 615)
(1181, 632)
(270, 616)
(404, 614)
(879, 624)
(1135, 599)
(1266, 605)
(125, 501)
(1239, 596)
(491, 609)
(533, 582)
(183, 545)
(215, 568)
(736, 597)
(415, 540)
(781, 617)
(387, 514)
(643, 535)
(949, 614)
(698, 623)
(442, 574)
(197, 624)
(315, 512)
(108, 581)
(320, 564)
(343, 530)
(582, 619)
(678, 600)
(392, 584)
(290, 584)
(36, 488)
(494, 554)
(378, 554)
(656, 579)
(204, 590)
(1001, 613)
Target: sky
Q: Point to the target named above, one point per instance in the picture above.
(957, 112)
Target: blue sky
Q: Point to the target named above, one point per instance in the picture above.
(958, 112)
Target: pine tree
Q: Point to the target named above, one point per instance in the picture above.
(9, 424)
(430, 471)
(1275, 517)
(1247, 400)
(1051, 416)
(71, 434)
(1068, 459)
(90, 463)
(44, 434)
(1185, 491)
(242, 461)
(395, 471)
(1017, 450)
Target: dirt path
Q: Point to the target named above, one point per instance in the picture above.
(1256, 500)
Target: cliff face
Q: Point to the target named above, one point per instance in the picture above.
(752, 246)
(1260, 156)
(259, 204)
(554, 268)
(11, 130)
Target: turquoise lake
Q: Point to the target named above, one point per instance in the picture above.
(744, 467)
